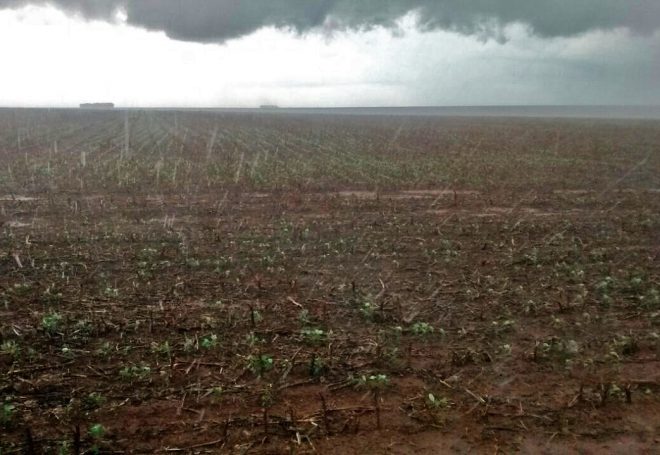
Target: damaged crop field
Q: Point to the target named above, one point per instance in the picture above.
(205, 282)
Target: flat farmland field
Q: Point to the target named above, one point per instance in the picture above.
(263, 283)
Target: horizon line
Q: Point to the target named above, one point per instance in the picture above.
(271, 106)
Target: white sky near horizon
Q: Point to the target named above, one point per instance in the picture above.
(51, 59)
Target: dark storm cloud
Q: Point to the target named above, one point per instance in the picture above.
(218, 20)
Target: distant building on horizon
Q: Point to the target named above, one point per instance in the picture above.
(97, 106)
(269, 106)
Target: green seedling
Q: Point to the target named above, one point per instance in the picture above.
(22, 289)
(147, 253)
(135, 372)
(422, 329)
(255, 317)
(11, 348)
(216, 392)
(162, 349)
(531, 258)
(51, 323)
(67, 352)
(51, 296)
(260, 364)
(651, 299)
(209, 342)
(636, 283)
(314, 336)
(111, 292)
(624, 345)
(375, 383)
(267, 396)
(604, 288)
(96, 433)
(83, 329)
(557, 349)
(64, 448)
(189, 344)
(434, 402)
(93, 401)
(7, 414)
(368, 310)
(104, 350)
(498, 328)
(266, 401)
(252, 339)
(316, 366)
(304, 317)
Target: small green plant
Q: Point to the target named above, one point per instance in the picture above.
(83, 329)
(252, 339)
(96, 433)
(255, 317)
(111, 292)
(190, 344)
(11, 348)
(604, 288)
(104, 350)
(434, 402)
(209, 342)
(51, 323)
(314, 336)
(636, 283)
(505, 349)
(22, 289)
(135, 372)
(531, 258)
(624, 345)
(498, 328)
(556, 349)
(147, 253)
(51, 296)
(368, 310)
(216, 392)
(374, 381)
(267, 396)
(93, 401)
(303, 317)
(376, 384)
(651, 299)
(422, 329)
(68, 353)
(162, 349)
(7, 414)
(63, 448)
(266, 401)
(260, 364)
(316, 366)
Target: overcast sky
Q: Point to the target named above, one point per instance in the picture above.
(329, 52)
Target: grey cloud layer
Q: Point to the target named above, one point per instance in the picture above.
(219, 20)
